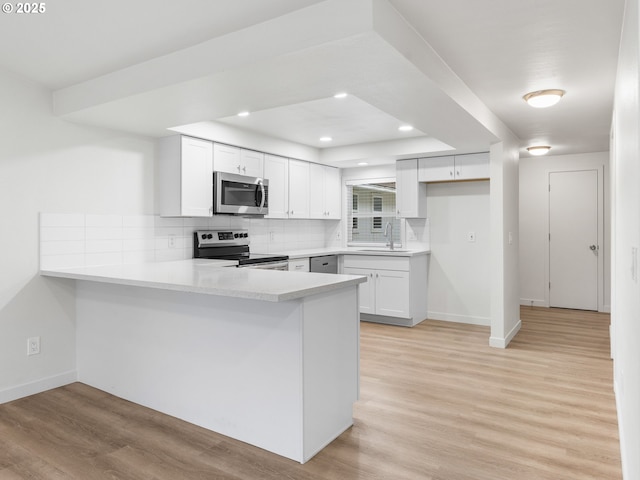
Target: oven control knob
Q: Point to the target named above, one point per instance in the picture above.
(204, 235)
(209, 236)
(245, 235)
(235, 235)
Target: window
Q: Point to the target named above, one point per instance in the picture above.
(371, 204)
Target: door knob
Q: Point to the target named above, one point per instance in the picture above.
(593, 247)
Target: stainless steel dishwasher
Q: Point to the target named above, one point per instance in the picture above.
(324, 264)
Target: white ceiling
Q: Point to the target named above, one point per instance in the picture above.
(456, 70)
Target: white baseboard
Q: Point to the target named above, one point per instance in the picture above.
(42, 385)
(531, 302)
(453, 317)
(498, 342)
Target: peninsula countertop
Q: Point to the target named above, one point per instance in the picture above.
(210, 277)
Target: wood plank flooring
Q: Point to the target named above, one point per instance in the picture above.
(436, 403)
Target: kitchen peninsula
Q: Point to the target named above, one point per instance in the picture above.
(267, 357)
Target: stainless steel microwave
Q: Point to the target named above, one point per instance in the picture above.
(240, 195)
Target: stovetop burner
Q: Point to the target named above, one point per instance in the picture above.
(229, 245)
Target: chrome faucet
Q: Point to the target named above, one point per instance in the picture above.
(388, 228)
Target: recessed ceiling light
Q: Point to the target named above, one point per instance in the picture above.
(405, 128)
(325, 139)
(543, 98)
(340, 95)
(362, 164)
(243, 114)
(539, 150)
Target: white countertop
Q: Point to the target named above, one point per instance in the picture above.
(209, 277)
(315, 252)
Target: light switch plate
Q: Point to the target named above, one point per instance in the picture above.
(471, 237)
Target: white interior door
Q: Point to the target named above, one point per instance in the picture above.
(573, 239)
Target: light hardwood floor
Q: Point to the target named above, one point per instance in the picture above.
(436, 403)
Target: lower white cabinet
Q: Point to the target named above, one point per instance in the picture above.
(396, 287)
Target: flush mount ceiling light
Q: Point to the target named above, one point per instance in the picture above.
(325, 139)
(543, 98)
(362, 164)
(405, 128)
(539, 150)
(243, 114)
(340, 95)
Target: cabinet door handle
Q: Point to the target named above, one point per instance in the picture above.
(457, 173)
(244, 169)
(451, 173)
(238, 167)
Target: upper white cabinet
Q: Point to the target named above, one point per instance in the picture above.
(298, 189)
(474, 166)
(276, 170)
(238, 160)
(324, 192)
(411, 195)
(185, 177)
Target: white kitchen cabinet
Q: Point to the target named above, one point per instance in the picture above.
(324, 192)
(298, 189)
(276, 170)
(240, 161)
(299, 264)
(332, 193)
(396, 287)
(185, 177)
(474, 166)
(411, 195)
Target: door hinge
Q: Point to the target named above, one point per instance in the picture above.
(549, 285)
(549, 187)
(549, 237)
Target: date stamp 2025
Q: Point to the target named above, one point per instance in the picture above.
(24, 8)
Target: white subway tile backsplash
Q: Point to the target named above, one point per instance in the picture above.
(144, 256)
(103, 246)
(161, 222)
(137, 232)
(48, 262)
(48, 234)
(62, 248)
(62, 220)
(108, 258)
(138, 244)
(145, 221)
(71, 240)
(103, 220)
(103, 233)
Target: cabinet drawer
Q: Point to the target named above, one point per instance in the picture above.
(377, 262)
(299, 265)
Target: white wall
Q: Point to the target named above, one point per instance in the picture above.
(47, 164)
(625, 182)
(534, 222)
(459, 270)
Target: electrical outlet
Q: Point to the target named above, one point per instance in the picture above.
(33, 345)
(471, 237)
(172, 241)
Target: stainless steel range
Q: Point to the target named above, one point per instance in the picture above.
(234, 245)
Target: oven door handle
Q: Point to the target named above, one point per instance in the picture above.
(262, 195)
